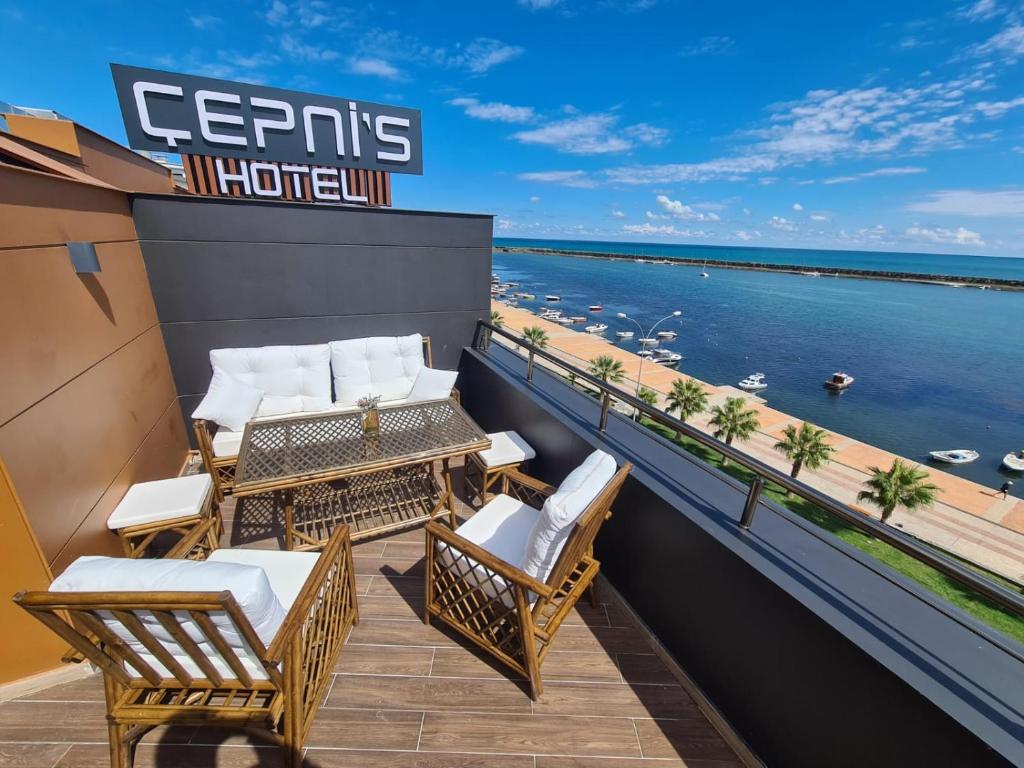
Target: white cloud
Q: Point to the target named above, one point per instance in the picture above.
(778, 222)
(982, 10)
(494, 110)
(300, 51)
(534, 199)
(820, 217)
(958, 236)
(504, 224)
(304, 14)
(590, 135)
(678, 210)
(204, 21)
(895, 171)
(742, 234)
(1007, 44)
(1007, 203)
(578, 179)
(996, 109)
(712, 45)
(662, 229)
(484, 53)
(375, 67)
(797, 207)
(617, 214)
(539, 5)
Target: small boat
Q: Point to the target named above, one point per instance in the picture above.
(668, 334)
(513, 285)
(552, 297)
(753, 383)
(704, 269)
(666, 357)
(1014, 461)
(595, 307)
(839, 381)
(646, 341)
(956, 456)
(624, 334)
(527, 296)
(599, 328)
(645, 353)
(578, 318)
(811, 274)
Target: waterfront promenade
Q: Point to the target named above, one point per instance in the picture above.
(968, 519)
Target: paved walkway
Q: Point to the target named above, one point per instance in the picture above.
(968, 519)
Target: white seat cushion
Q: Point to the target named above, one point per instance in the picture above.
(161, 500)
(286, 571)
(249, 585)
(381, 366)
(294, 379)
(502, 527)
(562, 509)
(506, 448)
(227, 443)
(228, 402)
(432, 384)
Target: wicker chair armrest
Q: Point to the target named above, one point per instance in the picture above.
(525, 488)
(193, 542)
(456, 396)
(300, 614)
(504, 569)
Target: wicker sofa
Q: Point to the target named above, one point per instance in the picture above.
(308, 379)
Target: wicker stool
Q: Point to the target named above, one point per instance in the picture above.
(178, 504)
(508, 450)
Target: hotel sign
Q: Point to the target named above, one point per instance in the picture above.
(189, 115)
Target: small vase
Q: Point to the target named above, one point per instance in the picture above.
(371, 422)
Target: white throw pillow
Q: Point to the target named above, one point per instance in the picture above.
(229, 402)
(561, 511)
(432, 384)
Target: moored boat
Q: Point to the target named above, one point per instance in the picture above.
(552, 297)
(595, 307)
(1014, 461)
(753, 383)
(624, 334)
(666, 357)
(668, 334)
(646, 341)
(955, 456)
(598, 328)
(839, 381)
(578, 318)
(562, 320)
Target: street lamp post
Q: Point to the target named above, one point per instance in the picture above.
(649, 334)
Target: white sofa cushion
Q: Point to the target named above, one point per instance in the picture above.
(286, 571)
(502, 526)
(161, 500)
(293, 378)
(432, 384)
(382, 366)
(229, 402)
(561, 511)
(506, 448)
(249, 585)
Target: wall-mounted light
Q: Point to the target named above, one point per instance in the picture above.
(84, 258)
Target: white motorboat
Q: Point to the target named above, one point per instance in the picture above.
(624, 334)
(527, 296)
(668, 334)
(704, 269)
(839, 381)
(647, 341)
(956, 456)
(578, 318)
(645, 353)
(562, 320)
(552, 297)
(666, 357)
(598, 328)
(1014, 461)
(753, 383)
(595, 307)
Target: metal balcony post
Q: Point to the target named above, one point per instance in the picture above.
(753, 497)
(606, 404)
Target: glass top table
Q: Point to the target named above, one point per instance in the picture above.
(329, 472)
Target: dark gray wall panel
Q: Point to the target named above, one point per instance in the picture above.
(818, 655)
(313, 280)
(169, 217)
(243, 273)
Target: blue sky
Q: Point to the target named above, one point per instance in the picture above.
(879, 126)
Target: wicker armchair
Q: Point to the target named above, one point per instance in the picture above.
(269, 689)
(510, 614)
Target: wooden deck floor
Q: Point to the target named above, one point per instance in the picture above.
(406, 695)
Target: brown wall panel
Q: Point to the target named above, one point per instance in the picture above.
(112, 163)
(55, 323)
(64, 452)
(41, 209)
(28, 646)
(160, 455)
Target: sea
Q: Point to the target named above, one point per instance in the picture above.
(936, 367)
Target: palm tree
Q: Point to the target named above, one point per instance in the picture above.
(536, 336)
(496, 319)
(903, 485)
(648, 396)
(733, 422)
(804, 446)
(688, 398)
(607, 369)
